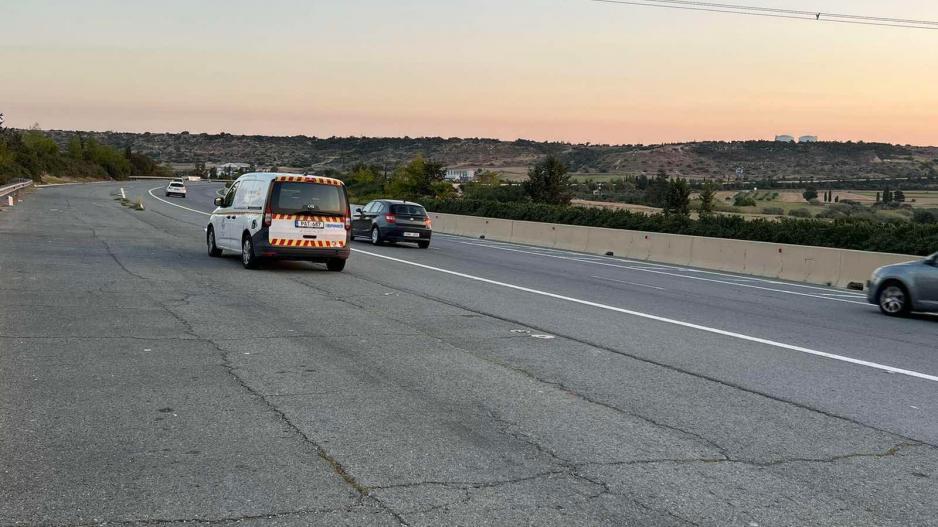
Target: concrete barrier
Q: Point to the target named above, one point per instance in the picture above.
(498, 230)
(534, 233)
(570, 238)
(816, 265)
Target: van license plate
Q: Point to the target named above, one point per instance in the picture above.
(305, 224)
(411, 234)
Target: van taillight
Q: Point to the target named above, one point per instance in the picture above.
(348, 223)
(390, 218)
(268, 218)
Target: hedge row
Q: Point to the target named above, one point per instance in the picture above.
(898, 237)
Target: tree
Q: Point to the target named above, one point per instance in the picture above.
(656, 193)
(887, 196)
(924, 216)
(707, 195)
(417, 178)
(548, 182)
(487, 177)
(878, 197)
(810, 194)
(677, 200)
(898, 196)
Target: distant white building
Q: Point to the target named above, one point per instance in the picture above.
(784, 139)
(807, 139)
(461, 175)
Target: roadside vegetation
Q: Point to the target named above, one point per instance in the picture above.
(547, 193)
(34, 155)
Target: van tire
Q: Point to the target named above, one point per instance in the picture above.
(335, 265)
(248, 258)
(213, 249)
(376, 236)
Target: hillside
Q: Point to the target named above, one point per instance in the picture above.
(758, 159)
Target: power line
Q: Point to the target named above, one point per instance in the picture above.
(796, 12)
(780, 13)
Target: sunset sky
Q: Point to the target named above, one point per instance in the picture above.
(542, 69)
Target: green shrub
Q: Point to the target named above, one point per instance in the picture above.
(900, 237)
(800, 213)
(777, 211)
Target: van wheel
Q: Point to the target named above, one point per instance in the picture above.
(423, 245)
(375, 236)
(335, 265)
(894, 300)
(213, 249)
(248, 259)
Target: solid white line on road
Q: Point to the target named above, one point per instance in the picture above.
(850, 360)
(728, 276)
(592, 261)
(740, 336)
(150, 192)
(629, 283)
(656, 271)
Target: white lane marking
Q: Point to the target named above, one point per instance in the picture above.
(688, 277)
(646, 263)
(647, 270)
(150, 192)
(630, 283)
(874, 365)
(740, 336)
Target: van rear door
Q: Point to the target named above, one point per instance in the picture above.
(307, 212)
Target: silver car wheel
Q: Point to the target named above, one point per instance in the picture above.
(375, 237)
(892, 300)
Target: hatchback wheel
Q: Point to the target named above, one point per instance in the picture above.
(248, 259)
(375, 236)
(893, 300)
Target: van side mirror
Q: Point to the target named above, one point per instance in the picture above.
(219, 201)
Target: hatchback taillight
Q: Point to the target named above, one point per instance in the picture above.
(390, 218)
(427, 222)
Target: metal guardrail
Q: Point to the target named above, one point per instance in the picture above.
(10, 189)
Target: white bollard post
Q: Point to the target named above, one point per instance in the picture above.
(123, 196)
(10, 200)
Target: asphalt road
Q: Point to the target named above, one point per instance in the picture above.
(475, 383)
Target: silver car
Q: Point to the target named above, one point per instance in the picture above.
(902, 288)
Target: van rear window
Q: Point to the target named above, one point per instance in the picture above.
(408, 210)
(311, 198)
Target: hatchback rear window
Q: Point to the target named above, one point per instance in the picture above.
(311, 198)
(408, 210)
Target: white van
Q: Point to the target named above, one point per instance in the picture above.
(282, 216)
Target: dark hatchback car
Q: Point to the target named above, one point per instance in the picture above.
(388, 220)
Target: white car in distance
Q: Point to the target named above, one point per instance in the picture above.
(176, 188)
